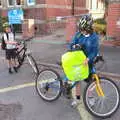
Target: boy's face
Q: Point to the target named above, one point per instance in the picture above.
(7, 29)
(84, 32)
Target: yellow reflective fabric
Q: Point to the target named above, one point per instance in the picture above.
(72, 63)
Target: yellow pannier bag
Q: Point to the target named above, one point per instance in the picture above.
(72, 63)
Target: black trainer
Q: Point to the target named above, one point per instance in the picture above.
(10, 71)
(15, 69)
(67, 91)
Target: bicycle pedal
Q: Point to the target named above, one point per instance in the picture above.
(67, 93)
(67, 96)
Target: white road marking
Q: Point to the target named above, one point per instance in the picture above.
(83, 112)
(81, 109)
(3, 90)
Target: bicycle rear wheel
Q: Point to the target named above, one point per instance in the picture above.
(48, 85)
(33, 63)
(99, 106)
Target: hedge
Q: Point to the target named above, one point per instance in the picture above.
(100, 26)
(2, 20)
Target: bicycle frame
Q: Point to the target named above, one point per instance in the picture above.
(94, 77)
(98, 87)
(97, 82)
(23, 48)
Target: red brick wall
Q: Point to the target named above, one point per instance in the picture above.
(40, 1)
(51, 12)
(84, 11)
(4, 12)
(80, 3)
(77, 3)
(113, 16)
(43, 13)
(58, 2)
(54, 8)
(35, 13)
(70, 28)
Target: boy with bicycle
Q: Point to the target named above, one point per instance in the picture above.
(10, 49)
(88, 40)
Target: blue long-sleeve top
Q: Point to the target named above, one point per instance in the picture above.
(90, 44)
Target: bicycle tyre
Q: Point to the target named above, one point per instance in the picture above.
(43, 79)
(32, 63)
(90, 104)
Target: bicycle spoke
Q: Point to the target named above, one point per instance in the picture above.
(103, 106)
(48, 80)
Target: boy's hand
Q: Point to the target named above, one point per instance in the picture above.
(77, 46)
(86, 61)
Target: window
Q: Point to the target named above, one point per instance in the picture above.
(90, 4)
(30, 2)
(0, 3)
(15, 2)
(93, 4)
(100, 4)
(19, 2)
(11, 2)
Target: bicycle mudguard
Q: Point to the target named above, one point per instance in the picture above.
(72, 63)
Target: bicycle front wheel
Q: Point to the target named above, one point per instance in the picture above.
(48, 85)
(102, 106)
(19, 60)
(33, 64)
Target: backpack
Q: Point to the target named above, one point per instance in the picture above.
(3, 44)
(72, 63)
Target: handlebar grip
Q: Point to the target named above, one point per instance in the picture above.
(76, 47)
(99, 58)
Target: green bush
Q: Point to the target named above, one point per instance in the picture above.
(100, 26)
(100, 21)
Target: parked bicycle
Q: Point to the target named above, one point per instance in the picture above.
(22, 53)
(101, 95)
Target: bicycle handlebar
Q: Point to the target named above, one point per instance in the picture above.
(80, 47)
(75, 47)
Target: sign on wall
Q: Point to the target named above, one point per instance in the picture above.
(30, 2)
(15, 16)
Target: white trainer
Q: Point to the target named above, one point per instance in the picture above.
(75, 103)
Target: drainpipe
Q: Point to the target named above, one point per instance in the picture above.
(73, 7)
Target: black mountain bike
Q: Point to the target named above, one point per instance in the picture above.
(22, 53)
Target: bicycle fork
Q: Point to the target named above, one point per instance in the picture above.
(98, 86)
